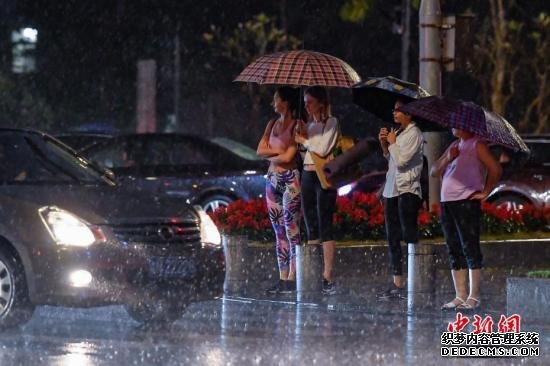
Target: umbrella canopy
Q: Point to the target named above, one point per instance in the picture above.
(378, 95)
(300, 68)
(500, 131)
(467, 116)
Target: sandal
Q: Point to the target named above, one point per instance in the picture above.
(466, 306)
(452, 305)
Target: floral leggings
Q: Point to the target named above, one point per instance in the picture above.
(284, 207)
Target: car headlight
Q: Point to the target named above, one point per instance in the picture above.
(210, 235)
(66, 228)
(345, 190)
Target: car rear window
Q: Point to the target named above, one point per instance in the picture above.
(182, 152)
(540, 153)
(160, 151)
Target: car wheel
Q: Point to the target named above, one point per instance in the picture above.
(212, 203)
(511, 201)
(157, 312)
(15, 306)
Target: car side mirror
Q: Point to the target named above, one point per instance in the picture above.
(110, 174)
(106, 171)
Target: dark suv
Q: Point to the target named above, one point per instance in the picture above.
(69, 235)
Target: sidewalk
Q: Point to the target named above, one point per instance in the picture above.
(363, 270)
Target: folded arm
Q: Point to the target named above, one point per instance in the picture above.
(440, 165)
(264, 150)
(286, 156)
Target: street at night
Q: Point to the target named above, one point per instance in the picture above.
(255, 182)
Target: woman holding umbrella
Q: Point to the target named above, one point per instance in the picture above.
(469, 173)
(402, 192)
(283, 185)
(311, 69)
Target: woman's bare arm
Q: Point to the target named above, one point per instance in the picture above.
(494, 171)
(264, 150)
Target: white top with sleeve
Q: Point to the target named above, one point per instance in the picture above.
(405, 163)
(321, 139)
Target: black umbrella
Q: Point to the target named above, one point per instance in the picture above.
(378, 95)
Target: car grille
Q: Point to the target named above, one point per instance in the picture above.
(158, 233)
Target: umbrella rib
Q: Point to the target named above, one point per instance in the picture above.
(331, 72)
(312, 80)
(301, 74)
(279, 61)
(297, 57)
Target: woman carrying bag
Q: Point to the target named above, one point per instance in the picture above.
(318, 137)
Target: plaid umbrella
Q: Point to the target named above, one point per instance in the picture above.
(303, 68)
(467, 116)
(378, 95)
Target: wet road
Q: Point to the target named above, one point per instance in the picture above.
(230, 332)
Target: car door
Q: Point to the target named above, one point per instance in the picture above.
(192, 168)
(175, 165)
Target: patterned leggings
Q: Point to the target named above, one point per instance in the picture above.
(284, 207)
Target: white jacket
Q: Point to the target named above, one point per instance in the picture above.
(405, 163)
(321, 138)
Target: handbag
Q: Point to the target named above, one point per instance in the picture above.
(343, 144)
(299, 158)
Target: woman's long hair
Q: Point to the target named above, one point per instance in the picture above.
(295, 104)
(321, 94)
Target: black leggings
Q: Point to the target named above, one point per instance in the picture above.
(460, 221)
(401, 216)
(319, 205)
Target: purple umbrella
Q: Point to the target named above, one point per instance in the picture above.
(467, 116)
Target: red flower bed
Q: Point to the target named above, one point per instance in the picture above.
(361, 217)
(244, 218)
(498, 219)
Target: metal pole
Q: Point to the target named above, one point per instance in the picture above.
(421, 261)
(405, 38)
(430, 46)
(430, 78)
(420, 277)
(177, 87)
(146, 96)
(309, 272)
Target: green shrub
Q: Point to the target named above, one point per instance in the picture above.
(545, 273)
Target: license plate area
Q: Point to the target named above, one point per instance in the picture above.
(184, 268)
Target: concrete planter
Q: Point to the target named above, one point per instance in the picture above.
(529, 298)
(237, 260)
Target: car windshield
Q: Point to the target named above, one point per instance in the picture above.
(35, 159)
(237, 148)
